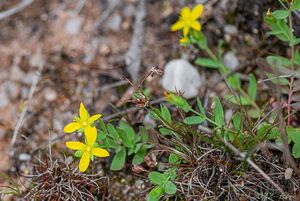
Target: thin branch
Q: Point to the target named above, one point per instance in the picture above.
(133, 55)
(15, 9)
(30, 95)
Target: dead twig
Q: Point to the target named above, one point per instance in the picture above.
(30, 95)
(15, 9)
(133, 55)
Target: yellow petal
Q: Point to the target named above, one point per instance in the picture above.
(75, 145)
(83, 113)
(91, 135)
(185, 12)
(71, 127)
(186, 30)
(178, 25)
(84, 161)
(94, 118)
(196, 25)
(184, 40)
(197, 11)
(100, 152)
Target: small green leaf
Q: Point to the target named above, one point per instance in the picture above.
(155, 194)
(112, 131)
(238, 100)
(174, 159)
(237, 121)
(296, 150)
(252, 87)
(280, 14)
(165, 113)
(207, 63)
(218, 113)
(294, 41)
(130, 136)
(165, 131)
(200, 107)
(277, 80)
(157, 178)
(253, 113)
(278, 61)
(297, 57)
(78, 153)
(294, 134)
(194, 120)
(296, 5)
(139, 156)
(118, 160)
(234, 81)
(170, 188)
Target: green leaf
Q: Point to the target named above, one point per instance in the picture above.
(252, 87)
(171, 173)
(174, 159)
(130, 136)
(155, 194)
(199, 38)
(297, 57)
(208, 63)
(157, 178)
(294, 41)
(294, 134)
(280, 14)
(139, 156)
(277, 80)
(170, 188)
(234, 81)
(165, 113)
(218, 113)
(278, 61)
(296, 5)
(78, 153)
(103, 127)
(238, 100)
(165, 131)
(113, 132)
(118, 160)
(296, 150)
(237, 121)
(194, 120)
(200, 107)
(253, 113)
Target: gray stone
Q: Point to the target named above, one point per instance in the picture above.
(230, 29)
(73, 25)
(231, 61)
(24, 157)
(16, 74)
(50, 94)
(114, 23)
(4, 100)
(181, 76)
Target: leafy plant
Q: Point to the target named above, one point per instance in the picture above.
(125, 142)
(163, 184)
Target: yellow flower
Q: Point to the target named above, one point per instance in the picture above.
(184, 40)
(82, 122)
(88, 150)
(188, 19)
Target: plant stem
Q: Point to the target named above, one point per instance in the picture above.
(292, 67)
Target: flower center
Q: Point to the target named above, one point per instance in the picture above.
(84, 123)
(88, 149)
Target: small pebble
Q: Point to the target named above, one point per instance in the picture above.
(231, 61)
(24, 157)
(288, 173)
(50, 94)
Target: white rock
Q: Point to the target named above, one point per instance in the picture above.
(4, 100)
(231, 61)
(16, 74)
(50, 94)
(73, 25)
(230, 29)
(115, 22)
(288, 173)
(24, 157)
(181, 76)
